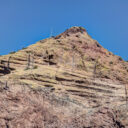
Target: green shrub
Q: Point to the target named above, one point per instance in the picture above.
(35, 67)
(24, 48)
(12, 52)
(110, 62)
(80, 42)
(120, 59)
(27, 68)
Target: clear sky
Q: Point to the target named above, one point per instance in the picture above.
(23, 22)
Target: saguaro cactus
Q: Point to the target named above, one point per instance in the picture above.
(6, 86)
(73, 61)
(81, 56)
(126, 94)
(29, 60)
(8, 62)
(94, 71)
(32, 61)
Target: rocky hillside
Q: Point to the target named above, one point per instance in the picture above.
(67, 81)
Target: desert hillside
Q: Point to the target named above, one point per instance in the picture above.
(66, 81)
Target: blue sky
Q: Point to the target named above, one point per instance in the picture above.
(23, 22)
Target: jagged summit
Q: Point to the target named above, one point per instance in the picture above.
(73, 31)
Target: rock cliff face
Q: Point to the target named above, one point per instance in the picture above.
(67, 81)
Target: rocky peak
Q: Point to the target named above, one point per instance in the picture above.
(71, 31)
(75, 29)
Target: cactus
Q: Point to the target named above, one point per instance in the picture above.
(29, 60)
(74, 48)
(8, 62)
(33, 61)
(126, 96)
(6, 86)
(94, 71)
(73, 61)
